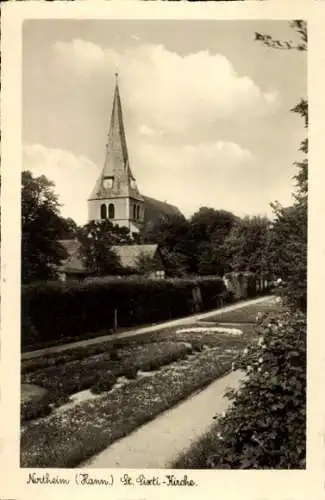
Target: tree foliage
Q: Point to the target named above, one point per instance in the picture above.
(173, 235)
(246, 246)
(288, 258)
(97, 239)
(266, 425)
(194, 246)
(41, 229)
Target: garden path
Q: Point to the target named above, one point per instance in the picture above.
(142, 330)
(159, 442)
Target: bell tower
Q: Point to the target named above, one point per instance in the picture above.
(116, 196)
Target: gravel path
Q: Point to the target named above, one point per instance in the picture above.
(157, 443)
(139, 331)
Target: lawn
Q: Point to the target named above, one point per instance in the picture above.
(246, 314)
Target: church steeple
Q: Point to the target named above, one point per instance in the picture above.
(116, 148)
(116, 179)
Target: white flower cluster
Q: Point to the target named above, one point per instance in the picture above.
(214, 329)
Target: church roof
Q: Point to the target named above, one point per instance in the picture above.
(116, 164)
(156, 210)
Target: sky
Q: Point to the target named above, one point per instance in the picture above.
(206, 109)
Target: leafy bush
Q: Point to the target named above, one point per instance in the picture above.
(56, 311)
(266, 426)
(131, 373)
(34, 409)
(105, 382)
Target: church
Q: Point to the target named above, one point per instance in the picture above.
(116, 195)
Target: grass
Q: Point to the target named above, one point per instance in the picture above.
(246, 314)
(67, 438)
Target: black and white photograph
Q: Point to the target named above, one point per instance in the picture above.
(163, 245)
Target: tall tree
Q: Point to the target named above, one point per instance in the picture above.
(246, 246)
(272, 395)
(209, 228)
(41, 230)
(289, 234)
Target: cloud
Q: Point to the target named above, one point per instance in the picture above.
(194, 175)
(181, 115)
(74, 176)
(189, 176)
(171, 93)
(80, 56)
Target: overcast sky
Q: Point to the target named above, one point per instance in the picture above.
(206, 109)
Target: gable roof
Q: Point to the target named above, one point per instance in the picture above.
(156, 211)
(129, 254)
(73, 263)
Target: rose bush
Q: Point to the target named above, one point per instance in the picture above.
(266, 425)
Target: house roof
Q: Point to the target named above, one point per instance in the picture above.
(73, 263)
(129, 254)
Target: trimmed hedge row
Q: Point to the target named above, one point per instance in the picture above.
(56, 311)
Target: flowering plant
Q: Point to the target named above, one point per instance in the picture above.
(266, 425)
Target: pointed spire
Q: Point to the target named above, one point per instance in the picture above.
(116, 166)
(116, 143)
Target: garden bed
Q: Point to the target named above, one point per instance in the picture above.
(66, 439)
(180, 361)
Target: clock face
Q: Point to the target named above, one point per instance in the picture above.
(107, 183)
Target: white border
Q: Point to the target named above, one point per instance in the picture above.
(225, 484)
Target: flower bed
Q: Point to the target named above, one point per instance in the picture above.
(66, 439)
(72, 434)
(76, 375)
(212, 329)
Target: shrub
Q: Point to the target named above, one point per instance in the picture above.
(57, 311)
(33, 409)
(266, 426)
(131, 372)
(105, 382)
(35, 402)
(213, 292)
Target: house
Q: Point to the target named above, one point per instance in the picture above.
(72, 267)
(146, 259)
(136, 259)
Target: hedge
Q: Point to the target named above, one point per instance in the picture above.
(53, 312)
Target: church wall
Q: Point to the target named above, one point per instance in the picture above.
(136, 210)
(123, 211)
(120, 208)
